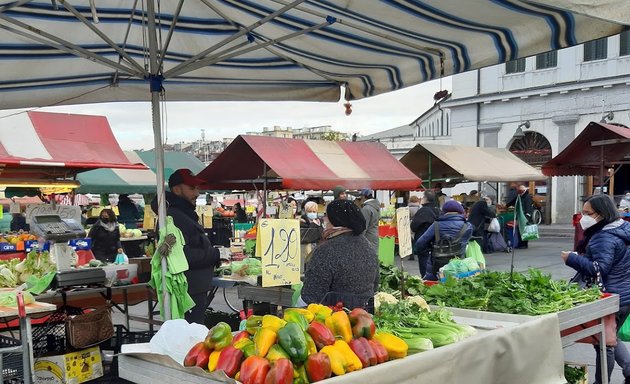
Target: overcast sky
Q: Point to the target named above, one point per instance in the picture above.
(131, 122)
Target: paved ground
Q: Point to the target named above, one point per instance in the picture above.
(543, 254)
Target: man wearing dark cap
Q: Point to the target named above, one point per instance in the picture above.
(371, 209)
(202, 257)
(339, 193)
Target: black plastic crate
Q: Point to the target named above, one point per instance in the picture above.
(123, 336)
(12, 366)
(50, 337)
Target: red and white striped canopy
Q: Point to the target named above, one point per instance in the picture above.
(37, 145)
(306, 164)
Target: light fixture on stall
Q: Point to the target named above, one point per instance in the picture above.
(39, 183)
(519, 134)
(608, 116)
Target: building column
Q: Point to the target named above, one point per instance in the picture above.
(564, 192)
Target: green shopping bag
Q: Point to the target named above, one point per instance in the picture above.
(473, 250)
(624, 331)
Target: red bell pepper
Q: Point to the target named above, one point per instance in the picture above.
(362, 323)
(321, 334)
(197, 356)
(281, 372)
(254, 370)
(239, 336)
(364, 352)
(318, 367)
(379, 350)
(230, 360)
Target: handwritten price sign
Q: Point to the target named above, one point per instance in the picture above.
(404, 231)
(278, 246)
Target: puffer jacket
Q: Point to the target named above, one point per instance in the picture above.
(610, 248)
(201, 255)
(450, 225)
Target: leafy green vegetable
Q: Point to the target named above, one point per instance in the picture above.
(574, 374)
(409, 321)
(534, 293)
(390, 281)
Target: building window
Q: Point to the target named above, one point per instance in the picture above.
(547, 60)
(596, 49)
(624, 43)
(515, 66)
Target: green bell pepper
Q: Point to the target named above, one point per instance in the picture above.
(291, 338)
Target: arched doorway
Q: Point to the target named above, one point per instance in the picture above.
(535, 150)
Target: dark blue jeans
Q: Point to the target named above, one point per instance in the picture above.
(617, 354)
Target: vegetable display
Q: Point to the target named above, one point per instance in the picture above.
(306, 346)
(412, 321)
(534, 293)
(15, 272)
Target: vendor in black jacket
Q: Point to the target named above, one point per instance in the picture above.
(420, 222)
(201, 255)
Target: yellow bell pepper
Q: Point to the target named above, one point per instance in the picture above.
(264, 338)
(339, 324)
(273, 322)
(342, 359)
(310, 344)
(320, 312)
(395, 346)
(308, 315)
(213, 360)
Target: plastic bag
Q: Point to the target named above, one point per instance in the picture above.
(250, 266)
(624, 330)
(121, 259)
(176, 337)
(530, 232)
(494, 226)
(473, 250)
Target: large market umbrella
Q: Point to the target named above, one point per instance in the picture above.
(69, 52)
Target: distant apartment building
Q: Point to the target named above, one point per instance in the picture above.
(324, 132)
(204, 150)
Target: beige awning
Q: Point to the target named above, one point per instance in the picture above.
(464, 163)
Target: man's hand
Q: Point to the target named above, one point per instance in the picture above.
(120, 250)
(565, 255)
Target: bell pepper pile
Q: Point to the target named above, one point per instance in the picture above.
(305, 346)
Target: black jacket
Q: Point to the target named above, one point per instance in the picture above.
(201, 255)
(423, 219)
(105, 244)
(528, 205)
(479, 214)
(510, 199)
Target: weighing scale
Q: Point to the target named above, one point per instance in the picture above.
(58, 231)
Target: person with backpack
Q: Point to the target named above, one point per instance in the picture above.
(420, 222)
(447, 237)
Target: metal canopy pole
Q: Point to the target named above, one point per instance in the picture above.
(155, 81)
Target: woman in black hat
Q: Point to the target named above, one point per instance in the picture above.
(345, 262)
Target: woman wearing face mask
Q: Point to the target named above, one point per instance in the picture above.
(605, 249)
(310, 228)
(105, 237)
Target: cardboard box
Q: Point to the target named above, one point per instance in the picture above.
(70, 368)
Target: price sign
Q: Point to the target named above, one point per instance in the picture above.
(278, 246)
(404, 231)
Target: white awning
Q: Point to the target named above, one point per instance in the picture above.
(464, 163)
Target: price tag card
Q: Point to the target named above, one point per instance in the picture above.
(404, 231)
(278, 246)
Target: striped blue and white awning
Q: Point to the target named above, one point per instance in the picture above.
(83, 51)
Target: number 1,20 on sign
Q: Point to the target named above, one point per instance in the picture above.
(285, 243)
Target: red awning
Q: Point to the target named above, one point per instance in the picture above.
(582, 158)
(37, 145)
(307, 164)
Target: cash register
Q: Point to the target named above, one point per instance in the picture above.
(58, 231)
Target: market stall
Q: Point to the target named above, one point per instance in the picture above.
(458, 163)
